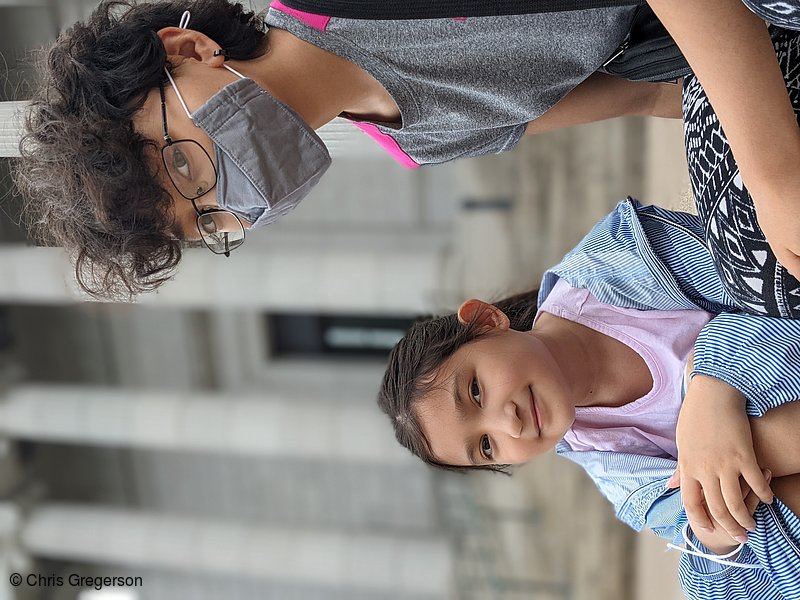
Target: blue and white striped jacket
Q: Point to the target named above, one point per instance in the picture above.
(648, 258)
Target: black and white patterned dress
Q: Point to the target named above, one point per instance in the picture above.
(783, 13)
(746, 264)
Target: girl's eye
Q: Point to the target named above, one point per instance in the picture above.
(486, 448)
(475, 391)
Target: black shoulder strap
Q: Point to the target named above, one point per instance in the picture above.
(379, 10)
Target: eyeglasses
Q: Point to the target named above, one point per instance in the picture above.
(193, 174)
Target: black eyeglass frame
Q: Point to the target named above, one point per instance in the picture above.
(168, 141)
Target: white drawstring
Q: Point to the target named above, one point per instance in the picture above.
(719, 559)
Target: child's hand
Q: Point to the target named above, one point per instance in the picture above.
(719, 542)
(715, 452)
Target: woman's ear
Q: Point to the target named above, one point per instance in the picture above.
(191, 44)
(483, 314)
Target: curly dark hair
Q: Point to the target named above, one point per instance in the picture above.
(87, 176)
(413, 363)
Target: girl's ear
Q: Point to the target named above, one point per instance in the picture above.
(483, 314)
(190, 44)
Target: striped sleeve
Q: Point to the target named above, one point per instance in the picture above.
(616, 263)
(681, 254)
(702, 567)
(759, 356)
(730, 583)
(773, 546)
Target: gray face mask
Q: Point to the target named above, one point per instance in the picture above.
(268, 158)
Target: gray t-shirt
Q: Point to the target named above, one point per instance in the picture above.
(466, 87)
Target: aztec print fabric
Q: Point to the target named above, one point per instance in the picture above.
(746, 264)
(782, 13)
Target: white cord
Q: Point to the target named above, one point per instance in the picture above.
(178, 94)
(234, 71)
(717, 558)
(185, 18)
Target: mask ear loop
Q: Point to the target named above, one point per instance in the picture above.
(184, 23)
(234, 71)
(178, 94)
(185, 18)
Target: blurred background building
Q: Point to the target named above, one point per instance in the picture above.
(219, 438)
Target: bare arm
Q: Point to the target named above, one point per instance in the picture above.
(788, 490)
(605, 97)
(776, 435)
(776, 439)
(730, 51)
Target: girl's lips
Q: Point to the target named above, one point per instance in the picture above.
(535, 416)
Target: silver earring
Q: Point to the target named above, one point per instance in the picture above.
(221, 52)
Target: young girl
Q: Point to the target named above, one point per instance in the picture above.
(599, 377)
(117, 173)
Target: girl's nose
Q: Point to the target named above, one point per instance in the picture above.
(512, 424)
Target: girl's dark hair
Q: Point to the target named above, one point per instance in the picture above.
(413, 363)
(87, 176)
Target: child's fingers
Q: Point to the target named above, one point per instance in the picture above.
(717, 503)
(757, 481)
(675, 480)
(734, 502)
(692, 496)
(751, 501)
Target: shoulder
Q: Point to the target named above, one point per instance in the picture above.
(619, 261)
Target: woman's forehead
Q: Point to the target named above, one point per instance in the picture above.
(147, 120)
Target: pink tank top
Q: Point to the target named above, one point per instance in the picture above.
(664, 339)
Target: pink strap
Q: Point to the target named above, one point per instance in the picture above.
(388, 143)
(319, 22)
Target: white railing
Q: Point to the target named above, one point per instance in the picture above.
(342, 138)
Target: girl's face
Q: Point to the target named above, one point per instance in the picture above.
(501, 399)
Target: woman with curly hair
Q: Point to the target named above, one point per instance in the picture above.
(91, 174)
(156, 124)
